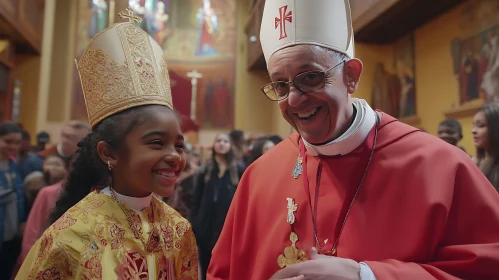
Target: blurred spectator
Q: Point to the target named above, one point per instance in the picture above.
(276, 139)
(28, 162)
(42, 139)
(12, 213)
(486, 139)
(451, 132)
(71, 134)
(261, 146)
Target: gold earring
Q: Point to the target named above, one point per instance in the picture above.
(109, 166)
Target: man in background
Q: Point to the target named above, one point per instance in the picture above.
(71, 134)
(42, 139)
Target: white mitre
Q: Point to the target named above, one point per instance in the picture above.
(326, 23)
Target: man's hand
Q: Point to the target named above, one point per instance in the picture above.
(321, 268)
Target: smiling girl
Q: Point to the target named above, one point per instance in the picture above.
(135, 148)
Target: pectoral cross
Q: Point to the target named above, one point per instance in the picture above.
(291, 254)
(292, 207)
(194, 75)
(281, 21)
(129, 15)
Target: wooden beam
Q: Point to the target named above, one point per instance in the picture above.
(365, 11)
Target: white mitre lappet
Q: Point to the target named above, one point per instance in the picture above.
(326, 23)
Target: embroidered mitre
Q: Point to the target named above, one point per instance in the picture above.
(122, 67)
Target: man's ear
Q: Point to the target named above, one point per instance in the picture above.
(106, 154)
(352, 71)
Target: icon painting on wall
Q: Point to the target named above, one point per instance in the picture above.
(395, 93)
(197, 35)
(475, 55)
(476, 64)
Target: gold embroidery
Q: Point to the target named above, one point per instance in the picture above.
(63, 222)
(167, 237)
(181, 229)
(115, 79)
(117, 235)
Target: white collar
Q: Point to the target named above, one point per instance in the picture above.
(136, 203)
(59, 151)
(355, 135)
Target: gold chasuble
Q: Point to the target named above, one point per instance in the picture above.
(94, 240)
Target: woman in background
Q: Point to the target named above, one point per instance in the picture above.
(215, 186)
(262, 146)
(486, 138)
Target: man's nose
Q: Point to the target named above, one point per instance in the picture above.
(295, 97)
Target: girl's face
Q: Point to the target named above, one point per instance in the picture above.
(480, 131)
(11, 144)
(222, 144)
(152, 158)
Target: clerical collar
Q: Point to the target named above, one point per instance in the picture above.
(355, 135)
(136, 203)
(59, 151)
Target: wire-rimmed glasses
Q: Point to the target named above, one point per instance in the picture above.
(305, 82)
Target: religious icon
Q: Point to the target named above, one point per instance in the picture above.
(291, 254)
(298, 168)
(405, 69)
(208, 26)
(155, 16)
(292, 207)
(98, 22)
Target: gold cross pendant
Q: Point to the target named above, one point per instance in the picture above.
(291, 254)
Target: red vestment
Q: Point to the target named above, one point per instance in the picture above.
(425, 210)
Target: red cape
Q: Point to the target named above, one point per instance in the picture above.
(424, 211)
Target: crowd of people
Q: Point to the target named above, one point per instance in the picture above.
(352, 193)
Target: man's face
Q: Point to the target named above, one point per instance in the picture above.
(318, 116)
(11, 144)
(70, 137)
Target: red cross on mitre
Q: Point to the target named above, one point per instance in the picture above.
(280, 21)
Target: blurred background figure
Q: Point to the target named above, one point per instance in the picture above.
(215, 185)
(451, 132)
(71, 134)
(486, 138)
(239, 146)
(27, 160)
(42, 139)
(261, 146)
(12, 212)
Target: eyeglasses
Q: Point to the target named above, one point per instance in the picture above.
(305, 82)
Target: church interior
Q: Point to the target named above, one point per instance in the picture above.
(174, 103)
(420, 61)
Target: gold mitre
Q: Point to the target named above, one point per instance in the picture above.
(123, 67)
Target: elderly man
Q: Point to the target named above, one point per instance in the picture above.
(71, 134)
(355, 194)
